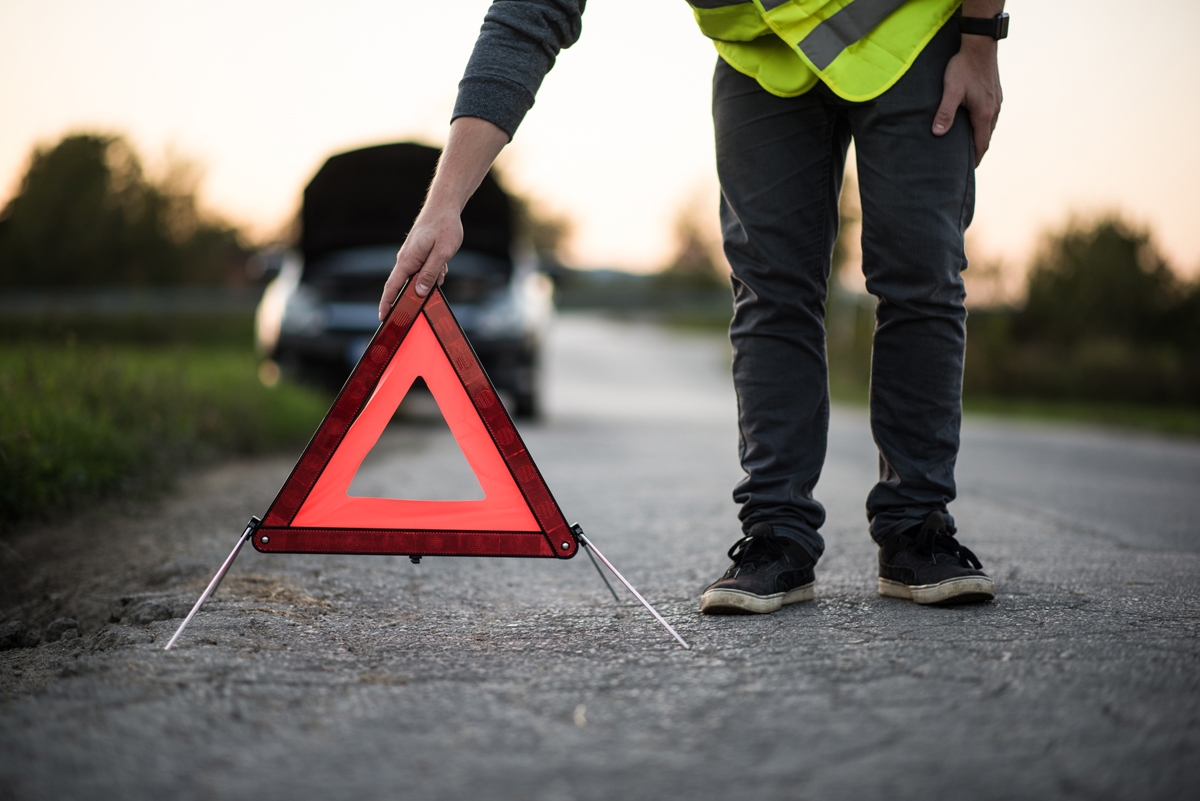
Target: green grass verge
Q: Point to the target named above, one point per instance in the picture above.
(81, 422)
(1174, 420)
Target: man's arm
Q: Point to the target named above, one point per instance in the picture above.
(437, 233)
(517, 46)
(973, 80)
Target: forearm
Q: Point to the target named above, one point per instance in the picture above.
(437, 232)
(516, 48)
(470, 151)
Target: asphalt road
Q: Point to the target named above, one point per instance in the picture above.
(370, 677)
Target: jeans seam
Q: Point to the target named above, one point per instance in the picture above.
(968, 182)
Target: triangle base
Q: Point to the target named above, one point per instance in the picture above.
(402, 542)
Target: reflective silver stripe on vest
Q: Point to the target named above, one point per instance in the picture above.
(827, 41)
(718, 3)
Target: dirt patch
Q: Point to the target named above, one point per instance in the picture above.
(77, 593)
(272, 589)
(138, 559)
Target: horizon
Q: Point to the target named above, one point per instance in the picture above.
(257, 97)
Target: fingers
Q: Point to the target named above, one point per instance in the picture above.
(429, 270)
(405, 266)
(983, 137)
(952, 97)
(391, 289)
(431, 273)
(983, 123)
(972, 80)
(433, 241)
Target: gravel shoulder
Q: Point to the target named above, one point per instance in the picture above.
(119, 567)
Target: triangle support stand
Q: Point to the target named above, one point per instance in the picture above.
(585, 542)
(251, 527)
(600, 570)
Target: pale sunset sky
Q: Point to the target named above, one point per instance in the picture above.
(1102, 108)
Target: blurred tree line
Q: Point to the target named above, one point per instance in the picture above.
(86, 214)
(1104, 318)
(699, 262)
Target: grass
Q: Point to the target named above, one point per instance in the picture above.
(1174, 420)
(78, 422)
(229, 330)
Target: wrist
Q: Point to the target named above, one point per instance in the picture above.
(979, 46)
(983, 25)
(445, 200)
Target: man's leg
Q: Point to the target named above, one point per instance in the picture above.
(917, 199)
(780, 162)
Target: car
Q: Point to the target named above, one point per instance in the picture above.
(320, 309)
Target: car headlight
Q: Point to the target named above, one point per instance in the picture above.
(303, 314)
(501, 318)
(268, 317)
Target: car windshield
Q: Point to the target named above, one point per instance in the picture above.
(357, 274)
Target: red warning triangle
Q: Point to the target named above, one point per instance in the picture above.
(313, 512)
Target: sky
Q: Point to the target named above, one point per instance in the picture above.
(1101, 111)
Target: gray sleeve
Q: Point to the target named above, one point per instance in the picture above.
(516, 47)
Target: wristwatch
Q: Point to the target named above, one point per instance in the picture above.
(995, 27)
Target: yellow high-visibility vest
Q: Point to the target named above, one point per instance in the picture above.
(859, 48)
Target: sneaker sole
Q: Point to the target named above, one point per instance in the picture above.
(964, 590)
(738, 602)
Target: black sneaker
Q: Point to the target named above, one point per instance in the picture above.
(767, 572)
(927, 565)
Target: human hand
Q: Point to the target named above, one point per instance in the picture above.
(435, 237)
(437, 233)
(973, 80)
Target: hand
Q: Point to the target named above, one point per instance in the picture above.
(972, 80)
(437, 233)
(435, 237)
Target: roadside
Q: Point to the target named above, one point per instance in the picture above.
(1174, 421)
(84, 422)
(116, 568)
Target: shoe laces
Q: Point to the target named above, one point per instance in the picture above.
(754, 550)
(934, 540)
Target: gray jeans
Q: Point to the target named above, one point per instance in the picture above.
(780, 162)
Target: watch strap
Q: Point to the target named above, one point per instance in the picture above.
(995, 27)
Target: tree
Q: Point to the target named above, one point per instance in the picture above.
(87, 215)
(698, 261)
(546, 231)
(1104, 279)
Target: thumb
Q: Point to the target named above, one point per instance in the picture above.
(952, 98)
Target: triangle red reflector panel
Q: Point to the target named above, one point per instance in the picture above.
(518, 516)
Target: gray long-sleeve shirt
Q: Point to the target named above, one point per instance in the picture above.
(517, 46)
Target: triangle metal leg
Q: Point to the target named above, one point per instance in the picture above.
(251, 527)
(583, 540)
(603, 577)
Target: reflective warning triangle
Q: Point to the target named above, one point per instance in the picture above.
(518, 516)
